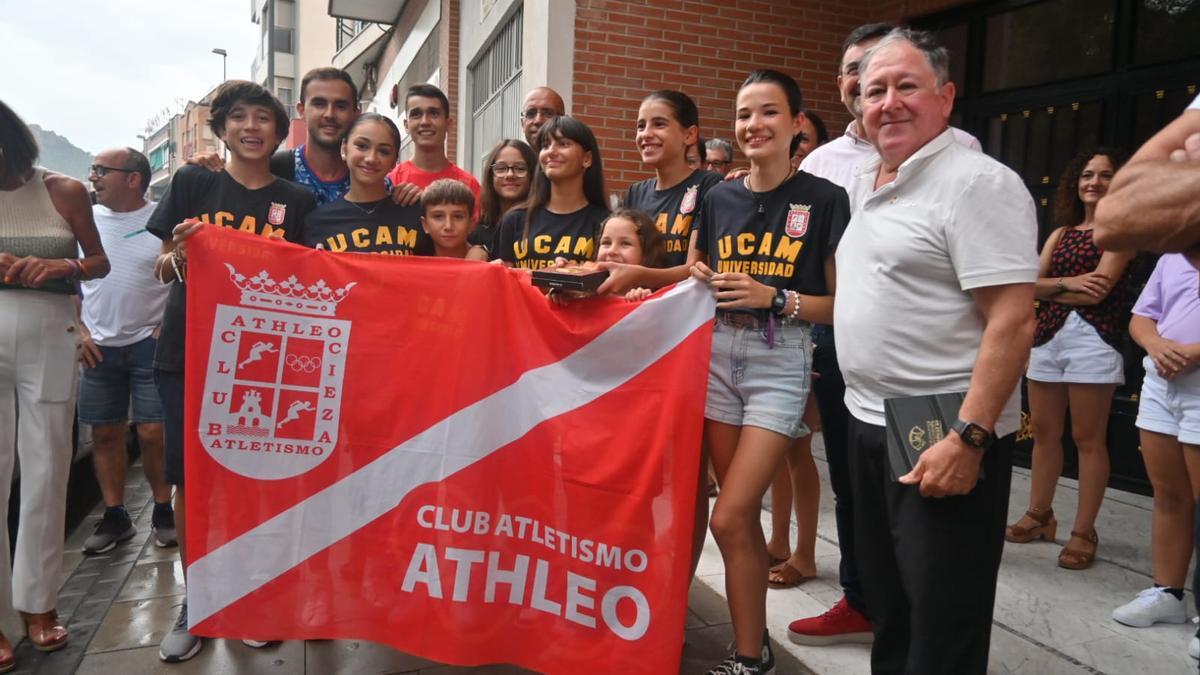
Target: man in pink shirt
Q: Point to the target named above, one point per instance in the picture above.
(427, 120)
(836, 160)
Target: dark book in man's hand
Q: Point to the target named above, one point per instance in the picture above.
(915, 424)
(570, 278)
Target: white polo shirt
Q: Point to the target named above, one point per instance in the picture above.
(127, 305)
(839, 159)
(953, 219)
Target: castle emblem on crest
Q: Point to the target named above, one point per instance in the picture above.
(273, 390)
(797, 220)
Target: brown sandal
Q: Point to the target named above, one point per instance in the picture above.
(786, 575)
(44, 631)
(1076, 559)
(1044, 529)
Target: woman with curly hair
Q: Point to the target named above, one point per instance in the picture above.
(1076, 364)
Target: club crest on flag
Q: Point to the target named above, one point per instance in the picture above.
(273, 387)
(689, 200)
(797, 220)
(277, 213)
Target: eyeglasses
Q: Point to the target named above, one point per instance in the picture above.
(545, 113)
(719, 162)
(100, 170)
(518, 170)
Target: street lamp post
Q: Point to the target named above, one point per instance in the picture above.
(224, 57)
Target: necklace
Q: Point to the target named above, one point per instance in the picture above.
(367, 211)
(791, 172)
(759, 201)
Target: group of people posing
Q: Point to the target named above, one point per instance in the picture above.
(901, 216)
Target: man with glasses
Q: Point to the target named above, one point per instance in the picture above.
(541, 105)
(121, 314)
(718, 156)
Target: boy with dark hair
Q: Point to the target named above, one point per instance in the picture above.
(448, 219)
(328, 105)
(427, 120)
(246, 196)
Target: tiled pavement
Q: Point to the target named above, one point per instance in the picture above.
(1048, 621)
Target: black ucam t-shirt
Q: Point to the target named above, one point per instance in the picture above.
(216, 198)
(782, 237)
(551, 235)
(673, 210)
(368, 227)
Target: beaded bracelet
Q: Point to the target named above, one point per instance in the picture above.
(794, 315)
(84, 272)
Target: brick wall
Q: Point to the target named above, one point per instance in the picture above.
(624, 50)
(448, 64)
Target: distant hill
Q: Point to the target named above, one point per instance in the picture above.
(59, 154)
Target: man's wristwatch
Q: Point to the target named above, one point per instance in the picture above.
(779, 302)
(974, 435)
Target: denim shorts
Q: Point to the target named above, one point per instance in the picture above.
(105, 391)
(751, 383)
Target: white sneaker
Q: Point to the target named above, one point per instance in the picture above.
(1151, 606)
(259, 644)
(1194, 646)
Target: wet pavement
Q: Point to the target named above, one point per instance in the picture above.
(1048, 621)
(119, 604)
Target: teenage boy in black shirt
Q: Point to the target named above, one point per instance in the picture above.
(245, 196)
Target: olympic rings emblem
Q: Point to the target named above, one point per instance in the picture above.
(303, 364)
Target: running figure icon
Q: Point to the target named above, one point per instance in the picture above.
(257, 352)
(294, 411)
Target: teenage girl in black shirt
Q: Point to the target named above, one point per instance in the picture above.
(566, 201)
(507, 174)
(770, 238)
(366, 219)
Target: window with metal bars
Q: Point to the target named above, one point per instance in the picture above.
(495, 90)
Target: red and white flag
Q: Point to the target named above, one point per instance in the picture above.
(426, 453)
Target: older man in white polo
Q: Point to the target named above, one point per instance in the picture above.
(935, 284)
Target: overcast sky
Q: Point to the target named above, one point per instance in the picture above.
(96, 72)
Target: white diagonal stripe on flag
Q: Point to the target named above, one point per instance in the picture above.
(634, 343)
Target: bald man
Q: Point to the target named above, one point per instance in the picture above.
(541, 105)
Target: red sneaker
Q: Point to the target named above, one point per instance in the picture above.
(841, 624)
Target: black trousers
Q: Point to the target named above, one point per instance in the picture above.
(830, 390)
(928, 565)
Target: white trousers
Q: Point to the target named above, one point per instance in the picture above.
(39, 373)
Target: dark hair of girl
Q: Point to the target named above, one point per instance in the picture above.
(654, 247)
(1068, 208)
(819, 125)
(565, 126)
(686, 112)
(18, 149)
(376, 117)
(489, 201)
(791, 90)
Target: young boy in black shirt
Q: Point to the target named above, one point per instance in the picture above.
(246, 196)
